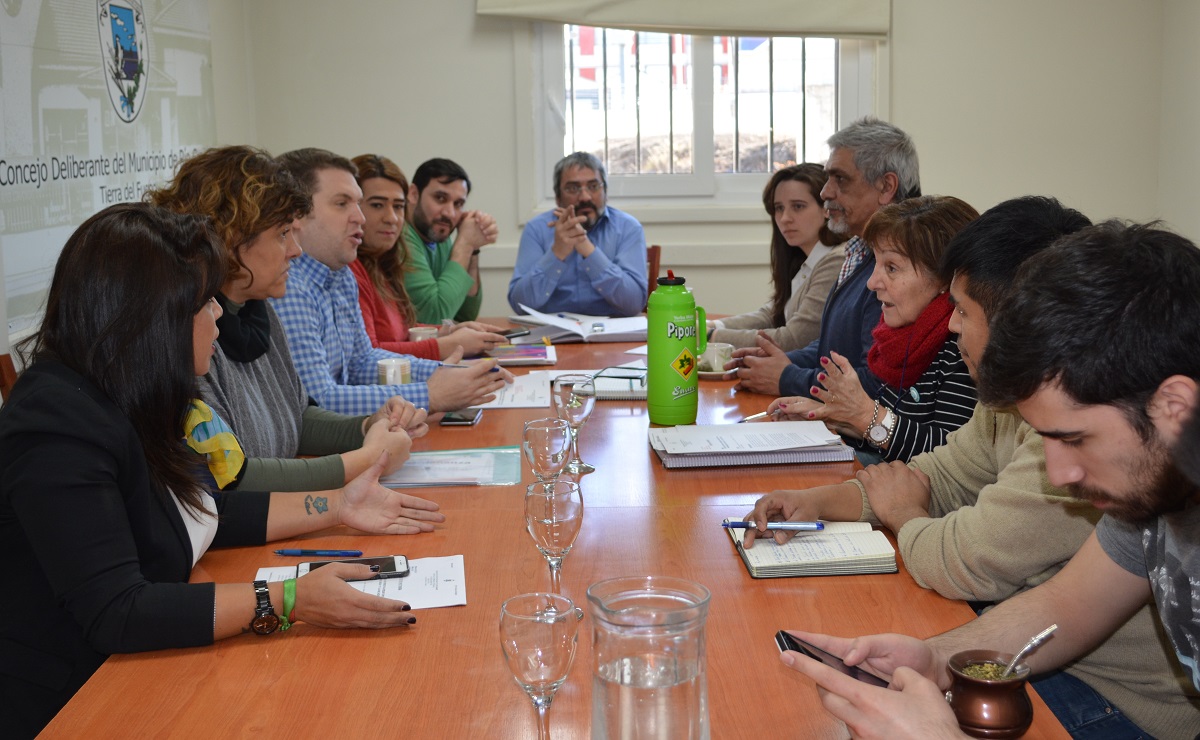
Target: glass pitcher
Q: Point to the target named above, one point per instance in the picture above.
(648, 639)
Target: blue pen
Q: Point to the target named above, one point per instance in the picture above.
(322, 553)
(785, 526)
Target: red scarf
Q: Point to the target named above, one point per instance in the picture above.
(900, 356)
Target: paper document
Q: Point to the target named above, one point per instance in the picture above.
(566, 328)
(488, 466)
(530, 391)
(430, 583)
(733, 438)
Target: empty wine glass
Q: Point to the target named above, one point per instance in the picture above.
(538, 634)
(553, 515)
(574, 397)
(546, 442)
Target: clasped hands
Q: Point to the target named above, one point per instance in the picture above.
(570, 234)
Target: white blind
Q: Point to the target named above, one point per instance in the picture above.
(842, 18)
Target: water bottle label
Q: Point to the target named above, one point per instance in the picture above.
(685, 363)
(676, 331)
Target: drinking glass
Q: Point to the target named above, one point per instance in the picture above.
(553, 515)
(545, 443)
(574, 397)
(538, 633)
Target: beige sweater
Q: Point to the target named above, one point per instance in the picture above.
(998, 527)
(803, 310)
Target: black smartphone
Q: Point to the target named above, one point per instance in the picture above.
(391, 566)
(461, 418)
(785, 641)
(513, 333)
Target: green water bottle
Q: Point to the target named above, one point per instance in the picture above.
(676, 337)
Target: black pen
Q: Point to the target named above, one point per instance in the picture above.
(322, 553)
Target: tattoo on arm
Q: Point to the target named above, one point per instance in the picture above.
(319, 503)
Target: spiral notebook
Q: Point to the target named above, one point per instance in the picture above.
(842, 548)
(772, 443)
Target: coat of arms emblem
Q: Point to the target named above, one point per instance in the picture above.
(125, 47)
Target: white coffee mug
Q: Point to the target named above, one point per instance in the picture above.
(395, 371)
(715, 356)
(420, 333)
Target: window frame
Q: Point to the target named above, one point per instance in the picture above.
(704, 196)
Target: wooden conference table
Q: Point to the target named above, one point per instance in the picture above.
(445, 677)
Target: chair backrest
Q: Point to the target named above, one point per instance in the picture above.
(653, 261)
(8, 376)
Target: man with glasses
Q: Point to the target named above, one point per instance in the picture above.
(584, 256)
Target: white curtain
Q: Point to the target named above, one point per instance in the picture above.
(843, 18)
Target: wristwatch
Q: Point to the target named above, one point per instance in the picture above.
(265, 619)
(879, 434)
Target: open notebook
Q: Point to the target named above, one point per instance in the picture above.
(842, 548)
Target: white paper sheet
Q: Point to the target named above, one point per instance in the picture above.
(431, 582)
(530, 391)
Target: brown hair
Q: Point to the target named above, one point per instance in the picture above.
(387, 270)
(786, 260)
(920, 228)
(242, 190)
(120, 311)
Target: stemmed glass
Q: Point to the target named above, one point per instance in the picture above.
(545, 444)
(553, 515)
(574, 397)
(538, 633)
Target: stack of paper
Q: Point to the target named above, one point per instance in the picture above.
(770, 443)
(842, 548)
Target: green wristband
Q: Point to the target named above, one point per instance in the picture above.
(289, 603)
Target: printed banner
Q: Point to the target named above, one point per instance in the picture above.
(99, 100)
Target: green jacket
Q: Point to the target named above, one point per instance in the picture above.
(436, 286)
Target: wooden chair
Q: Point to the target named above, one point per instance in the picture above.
(8, 376)
(653, 261)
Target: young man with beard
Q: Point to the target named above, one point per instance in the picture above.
(1097, 349)
(443, 275)
(584, 256)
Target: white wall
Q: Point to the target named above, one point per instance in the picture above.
(1179, 155)
(1093, 101)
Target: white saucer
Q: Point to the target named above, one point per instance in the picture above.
(716, 374)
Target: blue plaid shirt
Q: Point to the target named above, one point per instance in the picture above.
(330, 348)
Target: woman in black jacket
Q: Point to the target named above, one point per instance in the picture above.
(101, 513)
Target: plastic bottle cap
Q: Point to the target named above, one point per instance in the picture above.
(670, 279)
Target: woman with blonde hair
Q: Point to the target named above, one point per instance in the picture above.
(386, 310)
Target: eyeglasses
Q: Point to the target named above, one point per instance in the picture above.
(574, 188)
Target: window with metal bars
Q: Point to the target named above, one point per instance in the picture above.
(635, 100)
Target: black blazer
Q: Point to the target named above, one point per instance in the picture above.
(94, 561)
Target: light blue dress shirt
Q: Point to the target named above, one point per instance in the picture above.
(610, 282)
(330, 348)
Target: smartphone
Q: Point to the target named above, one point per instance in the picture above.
(785, 641)
(391, 566)
(513, 333)
(461, 418)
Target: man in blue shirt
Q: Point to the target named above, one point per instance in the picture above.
(584, 256)
(871, 164)
(321, 317)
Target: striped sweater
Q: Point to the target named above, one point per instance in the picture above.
(941, 400)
